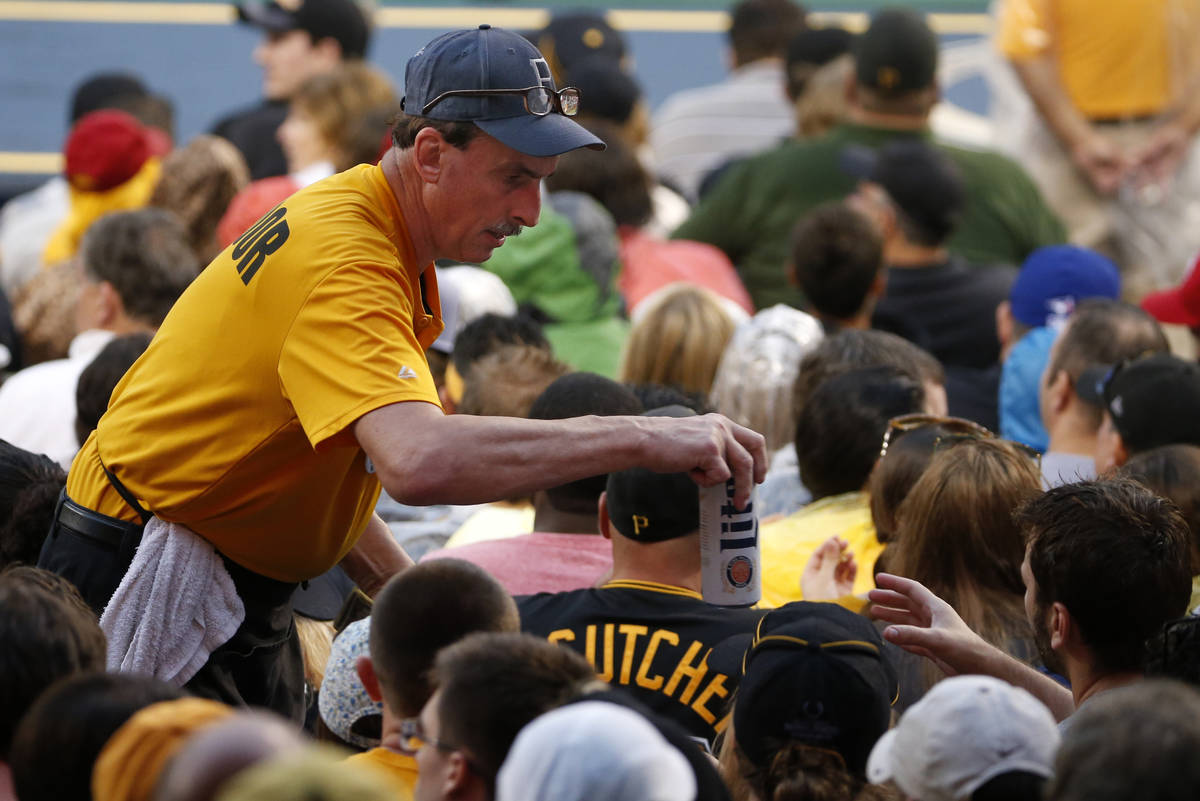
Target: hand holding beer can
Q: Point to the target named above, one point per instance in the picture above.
(730, 570)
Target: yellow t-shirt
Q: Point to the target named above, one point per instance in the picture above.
(1116, 58)
(400, 770)
(788, 543)
(235, 422)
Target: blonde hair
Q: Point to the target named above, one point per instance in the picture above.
(316, 642)
(956, 535)
(678, 339)
(338, 100)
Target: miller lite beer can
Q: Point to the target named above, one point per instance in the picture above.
(730, 570)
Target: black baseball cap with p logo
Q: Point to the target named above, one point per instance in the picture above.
(652, 507)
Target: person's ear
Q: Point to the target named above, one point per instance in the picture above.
(327, 51)
(602, 516)
(428, 149)
(1059, 391)
(878, 287)
(365, 669)
(1120, 452)
(1060, 626)
(1004, 324)
(109, 305)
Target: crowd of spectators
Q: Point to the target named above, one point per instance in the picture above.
(979, 528)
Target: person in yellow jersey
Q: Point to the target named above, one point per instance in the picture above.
(1117, 108)
(838, 432)
(289, 383)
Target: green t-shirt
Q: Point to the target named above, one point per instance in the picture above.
(752, 210)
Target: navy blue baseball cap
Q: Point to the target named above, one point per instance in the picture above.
(1055, 279)
(490, 59)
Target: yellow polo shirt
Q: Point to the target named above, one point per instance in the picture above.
(1116, 58)
(789, 542)
(399, 770)
(235, 422)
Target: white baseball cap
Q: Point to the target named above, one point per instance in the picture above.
(594, 749)
(965, 731)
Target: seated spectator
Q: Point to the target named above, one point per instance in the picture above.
(972, 738)
(51, 761)
(30, 484)
(1099, 332)
(489, 687)
(213, 757)
(955, 534)
(564, 272)
(486, 334)
(695, 131)
(48, 634)
(915, 196)
(1173, 472)
(198, 183)
(565, 550)
(112, 164)
(419, 612)
(753, 386)
(838, 431)
(137, 754)
(751, 210)
(134, 267)
(818, 64)
(837, 259)
(836, 354)
(100, 378)
(851, 350)
(1148, 402)
(677, 339)
(911, 441)
(349, 716)
(28, 220)
(316, 137)
(506, 382)
(647, 629)
(1136, 742)
(618, 181)
(573, 38)
(814, 697)
(1052, 282)
(593, 749)
(1106, 565)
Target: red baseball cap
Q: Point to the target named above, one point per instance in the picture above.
(1179, 305)
(105, 149)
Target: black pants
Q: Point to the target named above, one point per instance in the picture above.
(261, 665)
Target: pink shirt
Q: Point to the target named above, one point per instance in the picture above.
(538, 562)
(648, 264)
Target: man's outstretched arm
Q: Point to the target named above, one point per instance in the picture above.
(423, 456)
(928, 626)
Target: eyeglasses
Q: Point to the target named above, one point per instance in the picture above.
(413, 736)
(539, 100)
(910, 422)
(958, 430)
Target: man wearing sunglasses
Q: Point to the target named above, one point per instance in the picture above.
(290, 382)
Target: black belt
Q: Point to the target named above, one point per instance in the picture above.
(92, 524)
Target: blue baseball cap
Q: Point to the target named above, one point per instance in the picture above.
(491, 59)
(1055, 279)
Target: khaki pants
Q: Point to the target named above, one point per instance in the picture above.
(1151, 236)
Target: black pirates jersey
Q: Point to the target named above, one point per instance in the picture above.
(652, 639)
